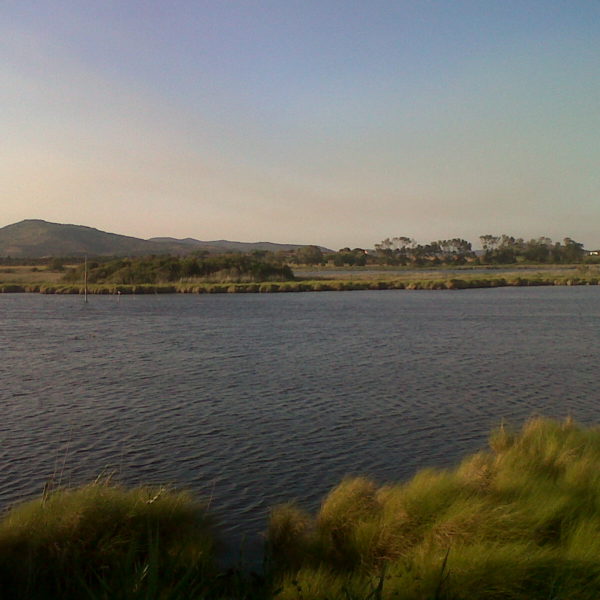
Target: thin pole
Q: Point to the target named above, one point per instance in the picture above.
(85, 280)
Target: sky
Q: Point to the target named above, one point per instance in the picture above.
(329, 122)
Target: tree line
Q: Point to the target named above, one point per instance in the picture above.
(505, 249)
(501, 249)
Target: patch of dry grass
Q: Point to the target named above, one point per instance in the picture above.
(28, 275)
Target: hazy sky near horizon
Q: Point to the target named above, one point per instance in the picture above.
(330, 122)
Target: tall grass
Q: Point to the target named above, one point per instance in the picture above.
(519, 521)
(101, 540)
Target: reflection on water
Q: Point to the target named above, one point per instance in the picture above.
(251, 400)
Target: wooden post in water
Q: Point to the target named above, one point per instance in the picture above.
(85, 279)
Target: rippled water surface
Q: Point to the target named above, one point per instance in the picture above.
(251, 400)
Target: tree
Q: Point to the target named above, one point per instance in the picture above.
(454, 251)
(309, 255)
(572, 251)
(538, 250)
(489, 242)
(344, 256)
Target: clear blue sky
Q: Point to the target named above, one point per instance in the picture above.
(314, 121)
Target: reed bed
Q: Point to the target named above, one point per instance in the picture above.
(310, 285)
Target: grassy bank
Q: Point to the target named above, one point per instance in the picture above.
(313, 285)
(518, 521)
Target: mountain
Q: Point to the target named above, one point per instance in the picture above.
(34, 238)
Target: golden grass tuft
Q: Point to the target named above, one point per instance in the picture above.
(73, 538)
(520, 521)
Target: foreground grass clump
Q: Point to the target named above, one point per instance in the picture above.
(519, 521)
(105, 541)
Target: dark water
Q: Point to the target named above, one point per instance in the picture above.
(251, 400)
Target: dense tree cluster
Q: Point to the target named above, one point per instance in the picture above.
(161, 269)
(405, 251)
(501, 249)
(307, 255)
(506, 249)
(353, 258)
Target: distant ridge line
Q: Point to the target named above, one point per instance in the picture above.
(36, 238)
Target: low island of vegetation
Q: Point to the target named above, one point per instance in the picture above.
(519, 521)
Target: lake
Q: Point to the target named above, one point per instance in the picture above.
(250, 400)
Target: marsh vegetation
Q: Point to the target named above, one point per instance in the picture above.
(253, 277)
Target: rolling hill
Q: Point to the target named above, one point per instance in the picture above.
(34, 238)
